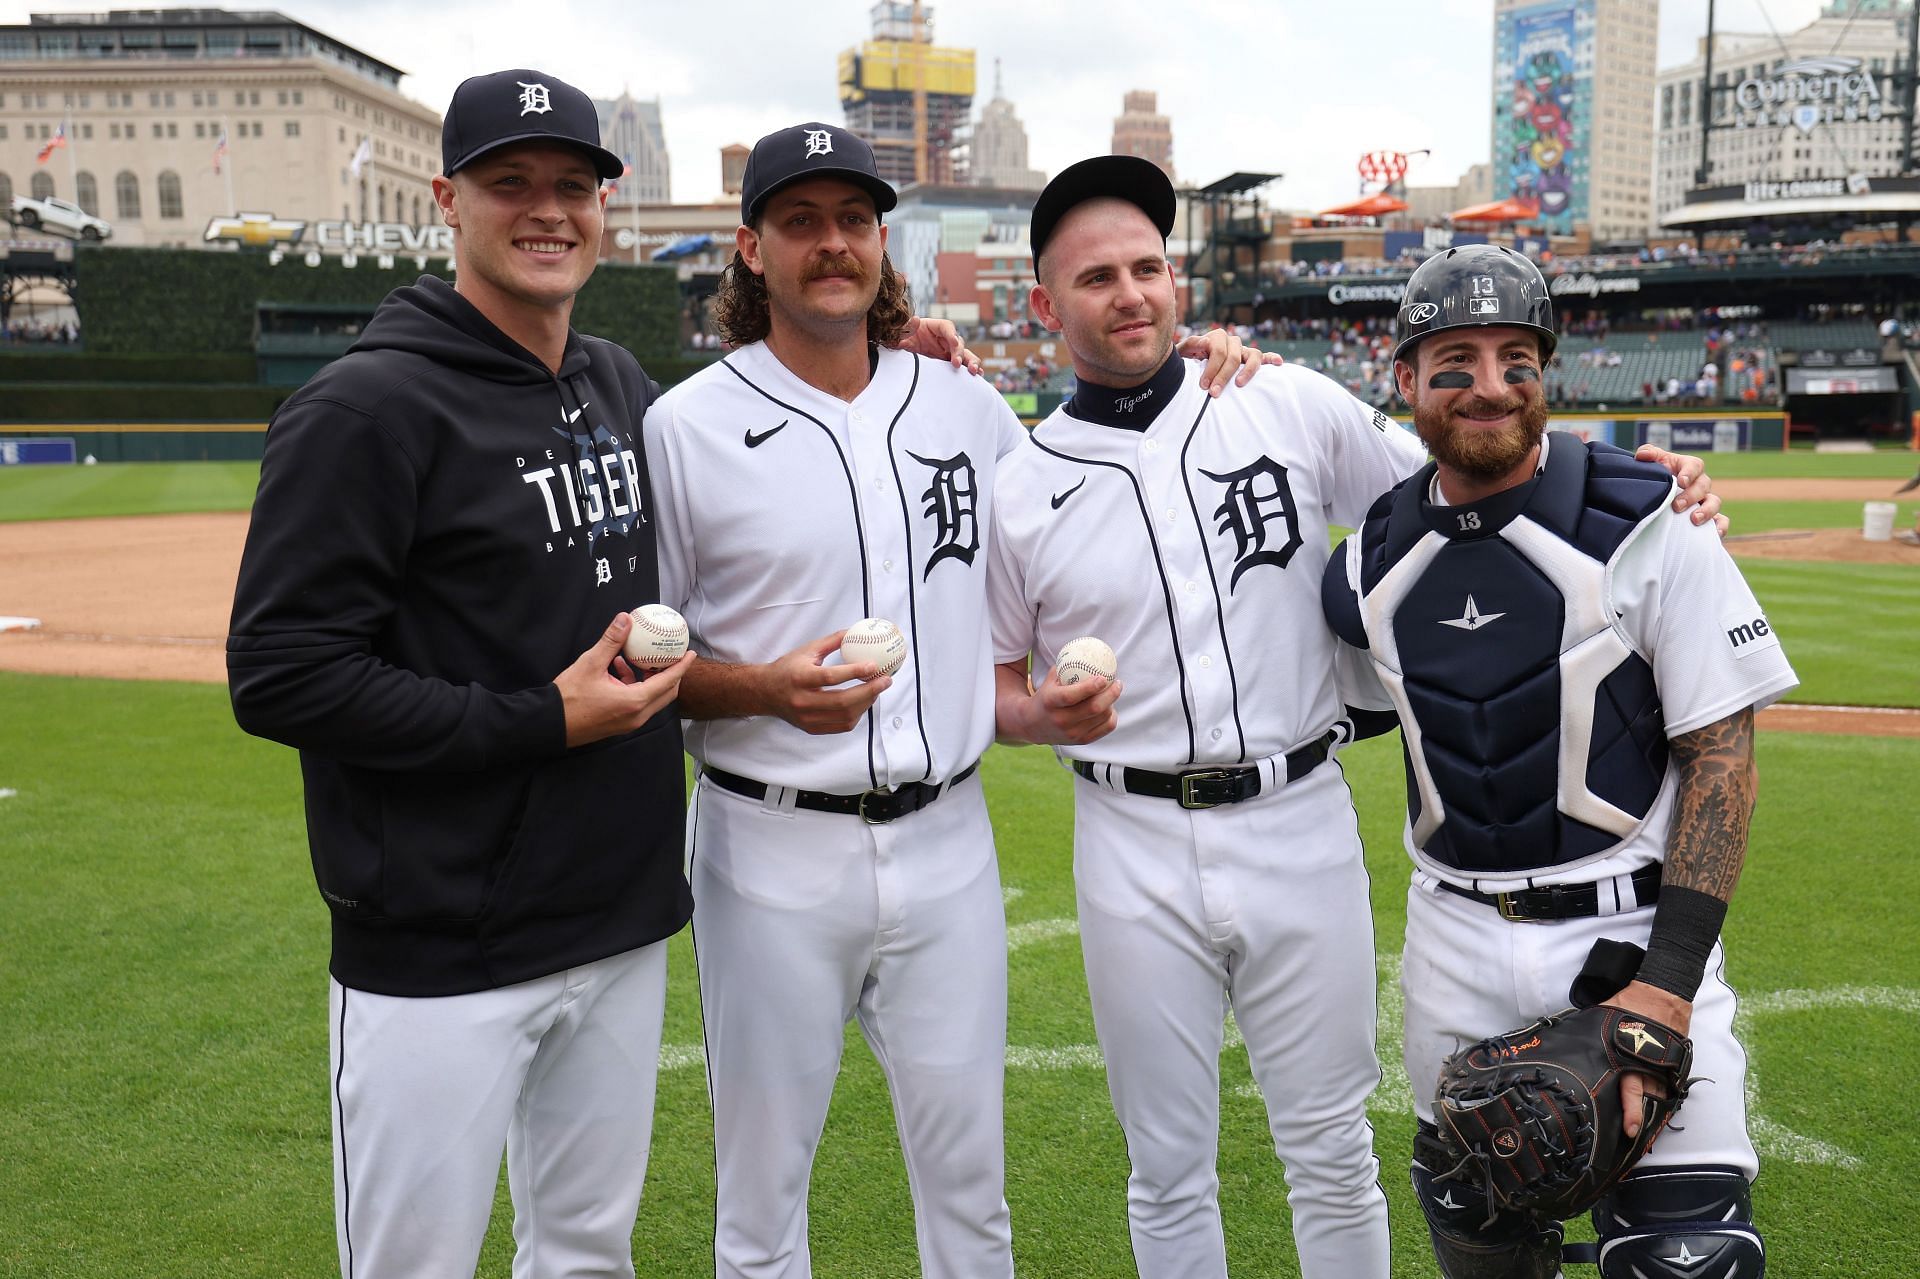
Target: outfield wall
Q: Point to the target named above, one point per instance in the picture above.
(135, 441)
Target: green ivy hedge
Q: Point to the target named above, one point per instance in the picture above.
(197, 302)
(134, 402)
(86, 366)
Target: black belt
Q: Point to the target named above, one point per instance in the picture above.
(1560, 901)
(1211, 787)
(875, 807)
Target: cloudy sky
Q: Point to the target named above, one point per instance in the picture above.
(1298, 87)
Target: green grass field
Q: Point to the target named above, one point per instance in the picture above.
(1887, 463)
(125, 488)
(163, 951)
(163, 1058)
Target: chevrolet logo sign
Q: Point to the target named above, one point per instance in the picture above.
(256, 229)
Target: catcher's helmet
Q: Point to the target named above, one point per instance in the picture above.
(1474, 286)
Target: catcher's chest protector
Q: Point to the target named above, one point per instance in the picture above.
(1533, 731)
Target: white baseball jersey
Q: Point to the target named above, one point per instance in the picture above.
(1205, 572)
(1681, 603)
(1195, 547)
(786, 514)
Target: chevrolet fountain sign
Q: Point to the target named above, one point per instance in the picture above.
(264, 230)
(1808, 93)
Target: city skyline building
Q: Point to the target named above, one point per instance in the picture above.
(910, 98)
(1809, 114)
(1434, 203)
(997, 154)
(161, 120)
(1573, 112)
(1141, 130)
(630, 128)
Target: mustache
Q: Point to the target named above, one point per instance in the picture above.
(846, 266)
(1481, 406)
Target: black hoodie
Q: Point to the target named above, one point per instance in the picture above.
(442, 527)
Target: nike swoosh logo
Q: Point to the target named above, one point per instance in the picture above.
(755, 441)
(1060, 499)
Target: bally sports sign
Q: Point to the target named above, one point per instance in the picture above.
(1807, 93)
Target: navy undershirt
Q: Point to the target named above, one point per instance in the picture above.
(1130, 408)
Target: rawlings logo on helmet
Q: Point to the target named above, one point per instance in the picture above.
(1421, 312)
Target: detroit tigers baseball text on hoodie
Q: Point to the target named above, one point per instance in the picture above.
(443, 526)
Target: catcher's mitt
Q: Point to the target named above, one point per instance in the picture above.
(1533, 1116)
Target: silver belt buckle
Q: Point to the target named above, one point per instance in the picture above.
(865, 816)
(1186, 787)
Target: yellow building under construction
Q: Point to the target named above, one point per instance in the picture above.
(912, 99)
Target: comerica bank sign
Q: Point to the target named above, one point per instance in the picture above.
(1807, 93)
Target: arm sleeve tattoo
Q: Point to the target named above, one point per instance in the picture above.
(1706, 849)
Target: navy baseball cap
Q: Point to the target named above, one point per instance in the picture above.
(811, 150)
(1140, 182)
(493, 111)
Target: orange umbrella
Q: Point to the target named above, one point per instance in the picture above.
(1371, 206)
(1508, 210)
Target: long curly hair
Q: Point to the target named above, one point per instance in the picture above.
(742, 312)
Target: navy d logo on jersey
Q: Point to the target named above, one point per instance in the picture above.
(1257, 496)
(950, 497)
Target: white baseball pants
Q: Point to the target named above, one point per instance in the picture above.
(804, 920)
(1259, 908)
(1467, 973)
(426, 1093)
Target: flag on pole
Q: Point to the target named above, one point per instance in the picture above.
(626, 171)
(59, 139)
(220, 149)
(360, 157)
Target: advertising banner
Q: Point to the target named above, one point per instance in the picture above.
(1542, 119)
(58, 451)
(1695, 435)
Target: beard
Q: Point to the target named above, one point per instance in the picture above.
(1476, 451)
(1122, 367)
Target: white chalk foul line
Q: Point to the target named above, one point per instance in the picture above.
(1778, 1140)
(1394, 1096)
(1039, 930)
(1899, 999)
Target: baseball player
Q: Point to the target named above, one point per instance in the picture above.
(1217, 863)
(1576, 671)
(448, 516)
(839, 846)
(1216, 860)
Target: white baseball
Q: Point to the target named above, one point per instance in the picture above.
(1082, 658)
(658, 638)
(876, 640)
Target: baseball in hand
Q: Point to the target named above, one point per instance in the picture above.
(1082, 658)
(658, 638)
(876, 640)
